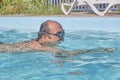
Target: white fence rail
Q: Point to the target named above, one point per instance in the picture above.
(80, 8)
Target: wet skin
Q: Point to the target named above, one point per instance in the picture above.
(47, 43)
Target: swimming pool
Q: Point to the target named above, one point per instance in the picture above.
(81, 33)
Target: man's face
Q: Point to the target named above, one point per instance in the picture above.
(56, 33)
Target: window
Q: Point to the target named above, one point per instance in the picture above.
(104, 5)
(100, 6)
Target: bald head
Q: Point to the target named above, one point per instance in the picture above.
(51, 27)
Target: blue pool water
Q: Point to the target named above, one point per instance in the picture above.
(81, 33)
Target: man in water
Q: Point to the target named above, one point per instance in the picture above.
(49, 34)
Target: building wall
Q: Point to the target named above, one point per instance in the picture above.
(58, 2)
(100, 7)
(118, 7)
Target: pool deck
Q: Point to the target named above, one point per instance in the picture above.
(73, 14)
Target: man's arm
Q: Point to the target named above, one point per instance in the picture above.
(97, 50)
(21, 47)
(14, 48)
(77, 52)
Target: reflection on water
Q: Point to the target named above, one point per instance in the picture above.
(44, 66)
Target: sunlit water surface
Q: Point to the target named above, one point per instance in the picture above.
(79, 35)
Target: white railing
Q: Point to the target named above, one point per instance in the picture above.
(100, 6)
(95, 5)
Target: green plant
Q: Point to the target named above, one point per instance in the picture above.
(29, 7)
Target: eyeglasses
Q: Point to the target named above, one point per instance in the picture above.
(58, 34)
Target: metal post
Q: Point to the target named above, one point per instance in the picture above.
(51, 2)
(60, 1)
(57, 2)
(54, 2)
